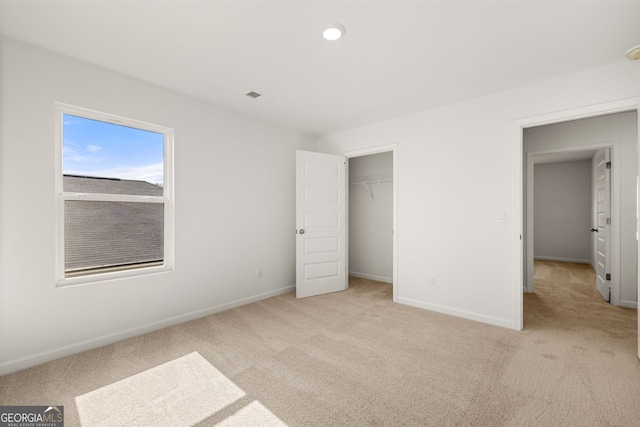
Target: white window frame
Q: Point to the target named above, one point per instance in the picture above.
(62, 197)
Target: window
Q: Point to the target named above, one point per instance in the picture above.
(113, 186)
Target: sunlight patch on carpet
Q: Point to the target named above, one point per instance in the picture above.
(254, 414)
(181, 392)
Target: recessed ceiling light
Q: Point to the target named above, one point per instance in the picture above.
(333, 31)
(634, 53)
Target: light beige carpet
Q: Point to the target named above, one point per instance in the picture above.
(252, 415)
(355, 358)
(178, 393)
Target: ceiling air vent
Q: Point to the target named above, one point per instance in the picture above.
(253, 95)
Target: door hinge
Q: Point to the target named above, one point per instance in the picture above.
(608, 276)
(608, 165)
(608, 221)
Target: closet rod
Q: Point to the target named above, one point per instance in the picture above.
(379, 181)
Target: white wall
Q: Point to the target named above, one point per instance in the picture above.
(234, 210)
(622, 128)
(562, 211)
(457, 166)
(371, 217)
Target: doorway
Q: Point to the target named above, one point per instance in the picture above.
(561, 209)
(371, 217)
(626, 152)
(618, 133)
(322, 220)
(373, 187)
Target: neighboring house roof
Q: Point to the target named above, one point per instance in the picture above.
(102, 234)
(89, 184)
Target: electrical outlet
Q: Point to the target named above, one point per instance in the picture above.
(259, 273)
(433, 281)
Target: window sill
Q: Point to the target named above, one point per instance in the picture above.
(88, 279)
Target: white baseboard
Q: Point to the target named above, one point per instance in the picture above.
(371, 277)
(550, 258)
(496, 321)
(628, 304)
(56, 353)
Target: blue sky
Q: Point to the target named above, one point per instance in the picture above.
(106, 150)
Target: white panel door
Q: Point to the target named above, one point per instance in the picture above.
(321, 260)
(603, 209)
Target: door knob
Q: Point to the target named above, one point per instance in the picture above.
(594, 229)
(302, 231)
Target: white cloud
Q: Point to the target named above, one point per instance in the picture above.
(93, 148)
(150, 173)
(73, 152)
(71, 120)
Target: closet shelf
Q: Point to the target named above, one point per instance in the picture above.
(366, 184)
(377, 181)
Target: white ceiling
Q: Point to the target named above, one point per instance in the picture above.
(395, 59)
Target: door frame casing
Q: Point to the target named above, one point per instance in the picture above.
(628, 104)
(375, 150)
